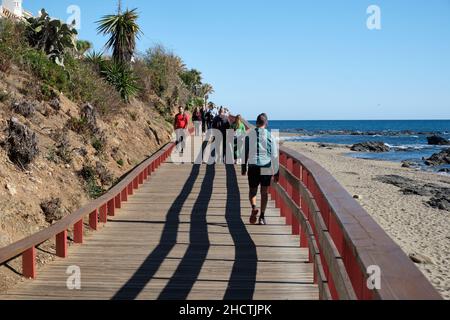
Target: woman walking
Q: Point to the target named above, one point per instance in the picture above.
(239, 129)
(197, 119)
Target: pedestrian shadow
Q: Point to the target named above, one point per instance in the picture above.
(190, 266)
(168, 239)
(241, 285)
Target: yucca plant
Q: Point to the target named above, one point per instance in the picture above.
(95, 58)
(122, 78)
(123, 32)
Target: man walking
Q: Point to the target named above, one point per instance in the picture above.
(180, 125)
(222, 124)
(260, 151)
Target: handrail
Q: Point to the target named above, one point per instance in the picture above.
(97, 210)
(345, 242)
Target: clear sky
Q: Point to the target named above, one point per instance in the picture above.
(300, 59)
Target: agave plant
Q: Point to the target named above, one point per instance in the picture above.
(123, 32)
(121, 76)
(51, 36)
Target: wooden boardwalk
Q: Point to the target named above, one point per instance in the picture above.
(183, 235)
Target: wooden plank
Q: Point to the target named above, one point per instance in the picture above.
(199, 247)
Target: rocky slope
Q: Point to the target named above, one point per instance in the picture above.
(79, 154)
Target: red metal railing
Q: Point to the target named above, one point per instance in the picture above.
(344, 241)
(96, 211)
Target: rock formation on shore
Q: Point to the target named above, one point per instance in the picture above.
(437, 141)
(440, 196)
(370, 147)
(438, 159)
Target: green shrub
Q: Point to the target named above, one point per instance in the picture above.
(47, 92)
(120, 163)
(98, 144)
(79, 80)
(89, 175)
(78, 125)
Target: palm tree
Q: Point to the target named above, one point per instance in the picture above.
(205, 90)
(193, 80)
(123, 31)
(83, 47)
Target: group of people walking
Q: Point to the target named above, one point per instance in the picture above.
(257, 165)
(209, 117)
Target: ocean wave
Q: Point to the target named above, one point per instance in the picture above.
(410, 146)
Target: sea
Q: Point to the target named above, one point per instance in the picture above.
(407, 138)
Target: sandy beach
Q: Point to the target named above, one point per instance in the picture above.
(408, 219)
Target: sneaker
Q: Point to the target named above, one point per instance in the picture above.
(262, 221)
(254, 216)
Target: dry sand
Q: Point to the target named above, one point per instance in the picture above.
(409, 221)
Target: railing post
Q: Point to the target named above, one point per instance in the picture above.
(118, 201)
(111, 208)
(145, 173)
(296, 198)
(93, 220)
(130, 188)
(282, 183)
(136, 183)
(124, 197)
(78, 232)
(288, 188)
(61, 244)
(104, 214)
(141, 178)
(29, 263)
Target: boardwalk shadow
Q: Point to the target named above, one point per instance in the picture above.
(190, 266)
(241, 285)
(168, 240)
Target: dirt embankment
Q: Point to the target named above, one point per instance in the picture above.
(80, 154)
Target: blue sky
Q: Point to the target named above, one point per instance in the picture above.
(300, 59)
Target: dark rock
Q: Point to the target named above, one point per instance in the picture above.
(24, 108)
(440, 196)
(52, 210)
(21, 144)
(55, 103)
(437, 141)
(104, 175)
(438, 159)
(395, 180)
(440, 202)
(330, 145)
(370, 147)
(89, 117)
(408, 164)
(445, 170)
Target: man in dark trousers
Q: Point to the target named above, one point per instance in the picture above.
(181, 122)
(222, 124)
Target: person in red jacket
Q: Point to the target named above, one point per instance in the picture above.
(181, 122)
